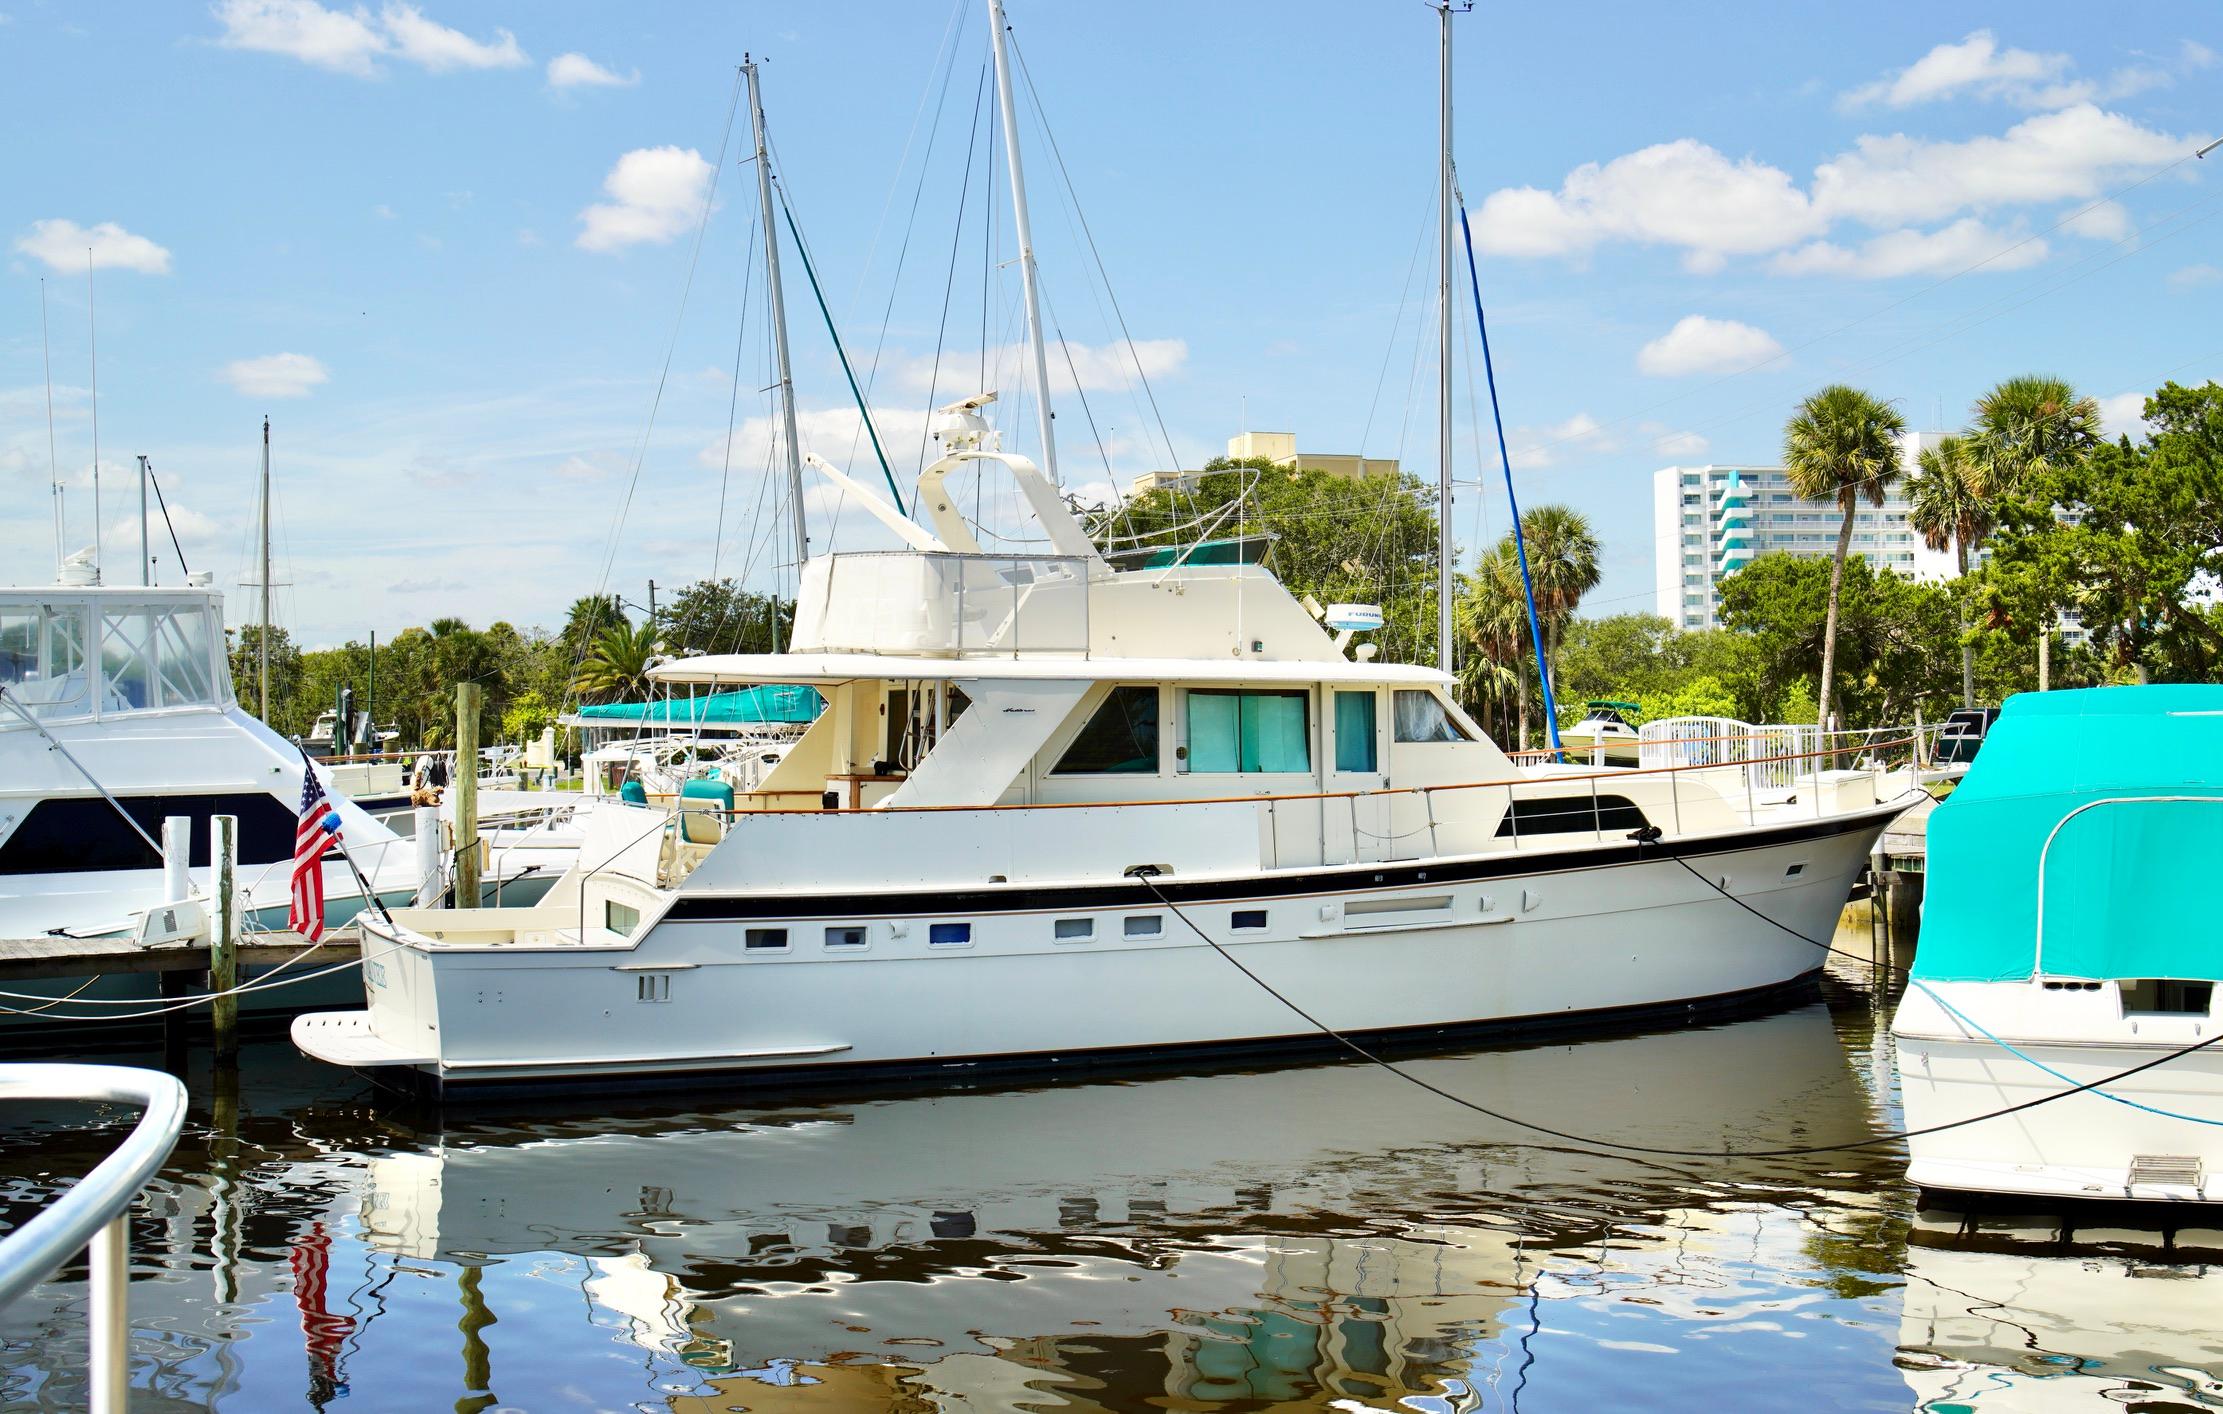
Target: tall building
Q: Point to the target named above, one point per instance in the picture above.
(1280, 448)
(1710, 521)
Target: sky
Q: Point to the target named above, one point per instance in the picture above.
(486, 272)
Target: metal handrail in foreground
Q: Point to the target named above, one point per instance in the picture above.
(90, 1216)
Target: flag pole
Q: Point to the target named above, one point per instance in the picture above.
(331, 827)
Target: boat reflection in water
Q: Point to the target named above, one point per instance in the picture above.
(2033, 1314)
(1287, 1238)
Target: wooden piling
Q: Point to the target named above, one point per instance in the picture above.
(466, 795)
(223, 966)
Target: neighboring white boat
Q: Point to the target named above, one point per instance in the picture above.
(2067, 937)
(1026, 766)
(1603, 737)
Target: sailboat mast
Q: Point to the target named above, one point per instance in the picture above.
(262, 642)
(92, 339)
(1443, 360)
(146, 563)
(53, 462)
(1024, 230)
(779, 317)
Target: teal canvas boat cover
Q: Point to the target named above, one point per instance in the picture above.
(2086, 841)
(766, 702)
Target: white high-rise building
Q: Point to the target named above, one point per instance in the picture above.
(1709, 521)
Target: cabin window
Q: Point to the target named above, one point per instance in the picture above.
(765, 940)
(1565, 814)
(846, 935)
(949, 935)
(1421, 717)
(42, 662)
(2165, 996)
(156, 657)
(620, 918)
(1247, 919)
(1250, 732)
(1354, 732)
(1073, 930)
(1145, 925)
(1121, 738)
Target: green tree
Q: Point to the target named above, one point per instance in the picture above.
(1492, 615)
(1840, 445)
(616, 666)
(1563, 566)
(2024, 430)
(719, 616)
(285, 674)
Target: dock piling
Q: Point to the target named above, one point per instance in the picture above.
(223, 969)
(466, 795)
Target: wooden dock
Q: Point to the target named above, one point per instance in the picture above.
(52, 957)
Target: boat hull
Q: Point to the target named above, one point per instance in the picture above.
(1591, 936)
(2083, 1146)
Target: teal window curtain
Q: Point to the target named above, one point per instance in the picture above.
(1354, 732)
(1215, 733)
(1250, 732)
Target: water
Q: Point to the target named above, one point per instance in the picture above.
(1304, 1237)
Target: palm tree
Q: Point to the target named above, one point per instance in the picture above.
(1945, 505)
(1841, 444)
(616, 667)
(2029, 426)
(1563, 565)
(1493, 614)
(2026, 428)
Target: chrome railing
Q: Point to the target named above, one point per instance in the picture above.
(90, 1216)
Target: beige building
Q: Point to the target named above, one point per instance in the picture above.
(1280, 448)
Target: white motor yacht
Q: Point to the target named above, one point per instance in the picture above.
(1057, 811)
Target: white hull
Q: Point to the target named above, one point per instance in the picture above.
(2082, 1146)
(1540, 938)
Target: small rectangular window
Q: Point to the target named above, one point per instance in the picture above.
(846, 935)
(1145, 925)
(1074, 930)
(620, 917)
(949, 935)
(765, 939)
(1243, 918)
(1354, 732)
(1249, 732)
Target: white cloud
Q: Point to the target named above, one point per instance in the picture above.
(1892, 181)
(383, 212)
(2192, 276)
(1978, 67)
(1582, 434)
(1094, 366)
(352, 42)
(281, 375)
(2123, 414)
(1682, 446)
(587, 467)
(657, 192)
(1698, 344)
(439, 49)
(1680, 193)
(576, 70)
(2101, 221)
(1947, 250)
(62, 245)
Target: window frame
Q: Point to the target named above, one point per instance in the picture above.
(1059, 770)
(1310, 734)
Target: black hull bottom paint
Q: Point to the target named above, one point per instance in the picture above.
(881, 1077)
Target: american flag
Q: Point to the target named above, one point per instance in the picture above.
(317, 833)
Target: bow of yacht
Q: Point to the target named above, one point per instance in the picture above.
(1058, 811)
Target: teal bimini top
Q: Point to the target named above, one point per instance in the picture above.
(2131, 884)
(766, 702)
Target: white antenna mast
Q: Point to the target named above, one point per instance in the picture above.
(262, 643)
(1443, 364)
(778, 311)
(1024, 230)
(53, 462)
(93, 335)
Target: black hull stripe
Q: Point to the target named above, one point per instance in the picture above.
(733, 908)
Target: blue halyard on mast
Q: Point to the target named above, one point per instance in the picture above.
(1520, 543)
(835, 334)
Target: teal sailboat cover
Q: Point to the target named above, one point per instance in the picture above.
(766, 702)
(2086, 841)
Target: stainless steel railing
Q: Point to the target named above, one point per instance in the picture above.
(91, 1215)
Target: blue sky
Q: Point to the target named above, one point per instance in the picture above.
(444, 248)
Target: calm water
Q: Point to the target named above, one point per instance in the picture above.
(1307, 1237)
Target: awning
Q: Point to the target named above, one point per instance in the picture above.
(748, 706)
